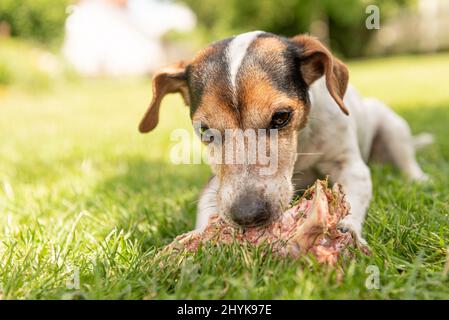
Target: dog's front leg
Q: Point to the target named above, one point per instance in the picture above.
(355, 177)
(207, 204)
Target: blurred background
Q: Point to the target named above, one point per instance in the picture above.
(44, 40)
(75, 76)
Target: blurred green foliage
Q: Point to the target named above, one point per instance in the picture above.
(29, 66)
(40, 20)
(19, 65)
(345, 18)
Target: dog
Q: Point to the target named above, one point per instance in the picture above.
(260, 80)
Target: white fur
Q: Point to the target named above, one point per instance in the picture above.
(236, 52)
(207, 204)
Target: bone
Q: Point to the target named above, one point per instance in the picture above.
(309, 227)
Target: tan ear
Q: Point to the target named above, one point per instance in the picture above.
(170, 79)
(317, 60)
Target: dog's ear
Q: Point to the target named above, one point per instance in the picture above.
(171, 79)
(317, 60)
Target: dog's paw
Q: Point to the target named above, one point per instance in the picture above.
(420, 177)
(355, 228)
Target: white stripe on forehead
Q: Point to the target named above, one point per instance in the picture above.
(236, 52)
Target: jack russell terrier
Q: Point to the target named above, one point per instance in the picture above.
(258, 80)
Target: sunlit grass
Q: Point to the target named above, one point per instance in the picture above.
(82, 192)
(405, 82)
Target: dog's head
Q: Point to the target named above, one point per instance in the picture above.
(255, 81)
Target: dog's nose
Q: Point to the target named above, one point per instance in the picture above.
(250, 209)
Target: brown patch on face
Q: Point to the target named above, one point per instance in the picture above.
(259, 100)
(215, 111)
(269, 45)
(267, 83)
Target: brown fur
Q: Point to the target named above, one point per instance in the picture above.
(320, 61)
(168, 80)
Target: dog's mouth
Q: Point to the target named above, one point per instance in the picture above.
(256, 223)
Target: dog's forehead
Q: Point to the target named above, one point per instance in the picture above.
(224, 66)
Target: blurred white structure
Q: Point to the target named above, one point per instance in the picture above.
(121, 37)
(421, 29)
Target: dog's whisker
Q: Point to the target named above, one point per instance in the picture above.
(210, 191)
(310, 153)
(194, 201)
(210, 207)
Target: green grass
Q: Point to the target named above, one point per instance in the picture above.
(82, 193)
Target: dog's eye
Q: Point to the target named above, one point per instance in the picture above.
(280, 119)
(202, 130)
(205, 134)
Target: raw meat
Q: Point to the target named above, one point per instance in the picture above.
(310, 226)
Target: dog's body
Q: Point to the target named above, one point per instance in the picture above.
(319, 139)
